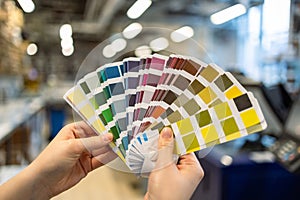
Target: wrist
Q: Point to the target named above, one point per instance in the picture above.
(25, 185)
(39, 188)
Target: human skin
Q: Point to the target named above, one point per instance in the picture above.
(170, 180)
(62, 164)
(77, 150)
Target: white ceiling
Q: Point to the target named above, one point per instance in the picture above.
(95, 19)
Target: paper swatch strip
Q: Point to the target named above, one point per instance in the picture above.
(135, 98)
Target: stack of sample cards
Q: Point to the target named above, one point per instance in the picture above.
(135, 98)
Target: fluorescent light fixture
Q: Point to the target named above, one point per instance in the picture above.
(228, 14)
(32, 49)
(118, 44)
(108, 51)
(138, 8)
(159, 44)
(143, 51)
(68, 51)
(132, 30)
(182, 34)
(65, 31)
(66, 43)
(27, 5)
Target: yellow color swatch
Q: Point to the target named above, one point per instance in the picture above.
(87, 111)
(185, 126)
(250, 117)
(118, 152)
(207, 95)
(233, 136)
(176, 148)
(222, 110)
(121, 155)
(209, 134)
(191, 143)
(216, 102)
(76, 96)
(254, 128)
(98, 126)
(233, 92)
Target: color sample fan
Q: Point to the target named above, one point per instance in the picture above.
(134, 99)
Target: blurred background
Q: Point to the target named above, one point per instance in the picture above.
(44, 43)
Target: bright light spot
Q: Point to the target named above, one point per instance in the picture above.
(226, 160)
(143, 51)
(65, 31)
(108, 51)
(27, 5)
(138, 8)
(66, 43)
(182, 34)
(228, 14)
(68, 51)
(159, 44)
(132, 30)
(32, 49)
(118, 44)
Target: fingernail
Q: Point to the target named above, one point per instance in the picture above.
(107, 137)
(166, 133)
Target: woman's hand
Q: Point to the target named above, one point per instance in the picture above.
(62, 164)
(170, 180)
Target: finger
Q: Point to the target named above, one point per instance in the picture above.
(96, 142)
(190, 164)
(165, 148)
(102, 150)
(82, 129)
(188, 159)
(103, 159)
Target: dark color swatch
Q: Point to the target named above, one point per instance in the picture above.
(195, 87)
(170, 97)
(85, 88)
(116, 89)
(242, 102)
(203, 118)
(191, 67)
(223, 82)
(131, 100)
(112, 72)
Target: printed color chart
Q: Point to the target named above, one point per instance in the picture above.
(135, 98)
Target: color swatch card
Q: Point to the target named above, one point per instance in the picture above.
(135, 98)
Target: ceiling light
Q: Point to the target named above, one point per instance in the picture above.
(27, 5)
(65, 31)
(32, 49)
(118, 44)
(66, 42)
(182, 34)
(108, 51)
(228, 14)
(138, 8)
(132, 30)
(159, 44)
(68, 51)
(142, 51)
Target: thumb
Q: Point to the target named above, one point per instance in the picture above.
(165, 148)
